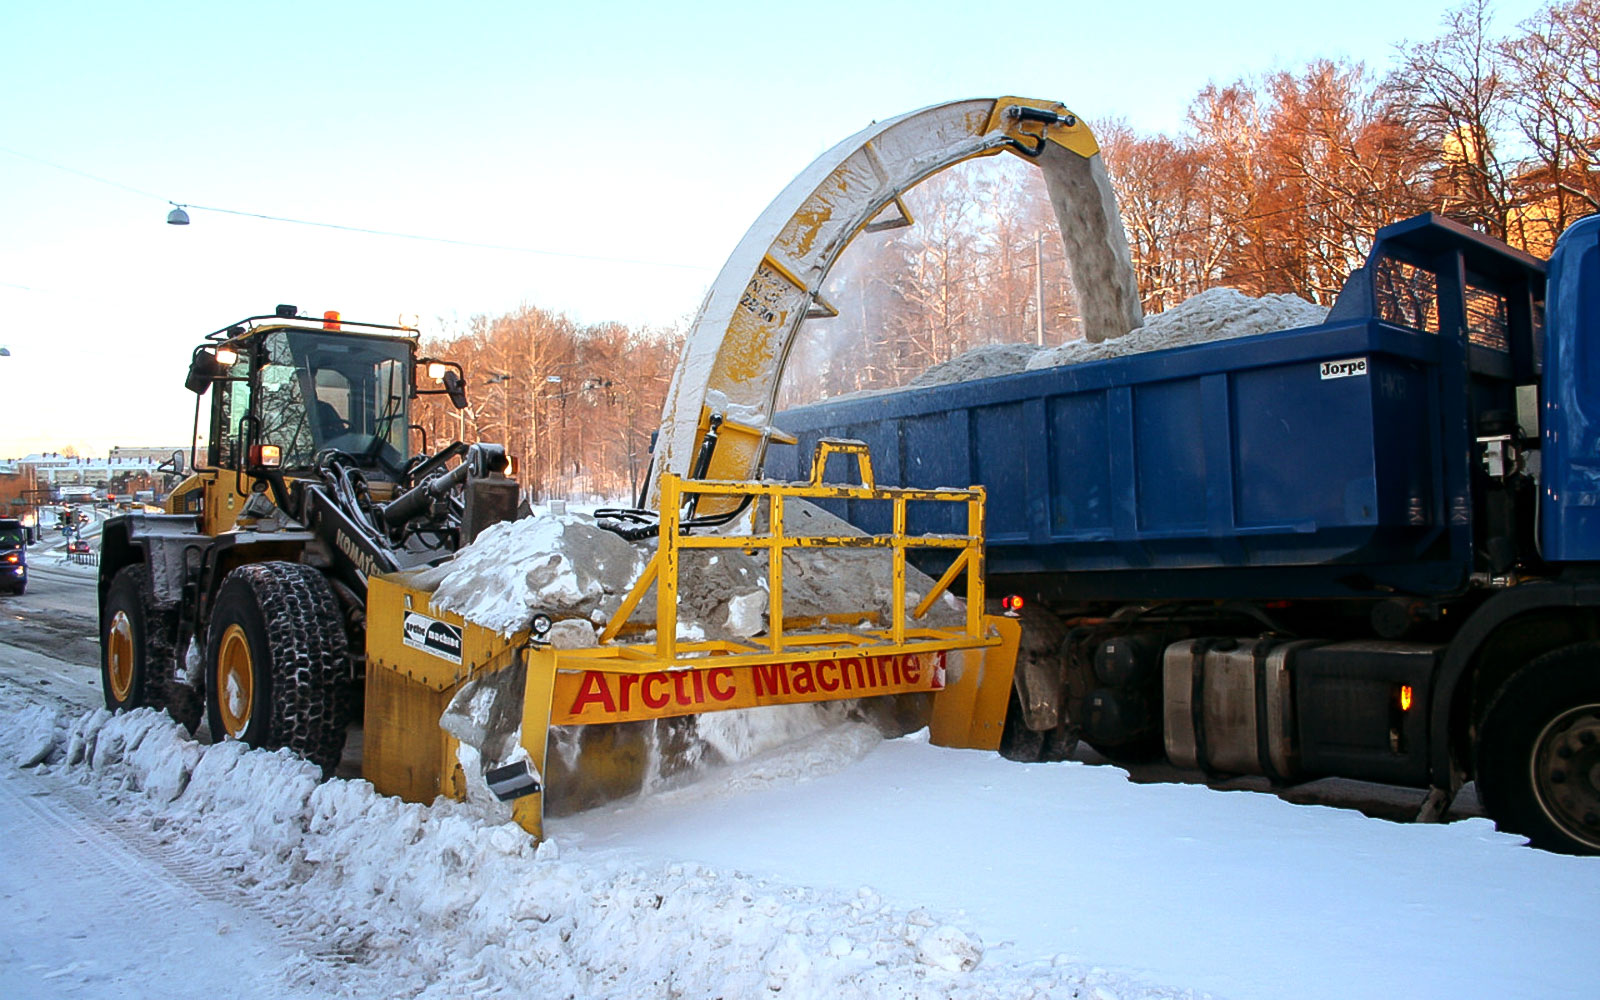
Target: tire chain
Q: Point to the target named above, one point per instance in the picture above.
(309, 653)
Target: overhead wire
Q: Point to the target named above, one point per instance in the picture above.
(599, 258)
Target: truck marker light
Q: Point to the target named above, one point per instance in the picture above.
(11, 557)
(227, 355)
(436, 371)
(1011, 604)
(330, 320)
(1405, 697)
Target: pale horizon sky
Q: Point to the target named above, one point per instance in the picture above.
(633, 142)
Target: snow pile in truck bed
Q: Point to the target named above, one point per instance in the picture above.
(984, 361)
(1215, 314)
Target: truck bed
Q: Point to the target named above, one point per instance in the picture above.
(1316, 447)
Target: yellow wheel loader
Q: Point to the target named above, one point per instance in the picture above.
(246, 601)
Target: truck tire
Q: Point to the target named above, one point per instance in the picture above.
(135, 650)
(1538, 752)
(277, 662)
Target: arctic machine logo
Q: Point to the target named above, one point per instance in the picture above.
(433, 636)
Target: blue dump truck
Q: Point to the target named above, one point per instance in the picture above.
(1368, 548)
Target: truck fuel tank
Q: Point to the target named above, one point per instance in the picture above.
(1228, 705)
(1301, 708)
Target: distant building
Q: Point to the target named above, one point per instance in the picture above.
(157, 455)
(18, 489)
(57, 476)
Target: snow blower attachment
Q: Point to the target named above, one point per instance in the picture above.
(457, 709)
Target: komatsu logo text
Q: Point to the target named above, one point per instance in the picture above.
(365, 564)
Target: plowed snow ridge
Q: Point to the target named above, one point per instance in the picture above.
(437, 902)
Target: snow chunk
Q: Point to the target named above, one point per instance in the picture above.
(947, 948)
(561, 565)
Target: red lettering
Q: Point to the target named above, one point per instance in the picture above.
(874, 672)
(844, 672)
(699, 687)
(913, 670)
(679, 680)
(822, 676)
(629, 682)
(593, 689)
(802, 676)
(650, 681)
(770, 679)
(718, 674)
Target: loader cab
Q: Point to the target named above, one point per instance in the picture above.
(292, 393)
(285, 389)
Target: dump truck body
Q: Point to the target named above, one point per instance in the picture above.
(1356, 500)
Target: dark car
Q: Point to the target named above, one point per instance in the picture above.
(13, 556)
(77, 546)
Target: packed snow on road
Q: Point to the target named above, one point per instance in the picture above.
(140, 863)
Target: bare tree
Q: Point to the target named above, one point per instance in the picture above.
(1456, 94)
(1554, 66)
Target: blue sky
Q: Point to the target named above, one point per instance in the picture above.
(634, 142)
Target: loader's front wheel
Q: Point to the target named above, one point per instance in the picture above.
(135, 650)
(277, 662)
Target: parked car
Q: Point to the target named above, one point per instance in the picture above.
(13, 555)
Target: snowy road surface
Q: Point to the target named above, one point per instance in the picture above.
(93, 909)
(138, 863)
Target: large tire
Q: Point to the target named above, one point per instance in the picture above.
(277, 662)
(1538, 752)
(136, 663)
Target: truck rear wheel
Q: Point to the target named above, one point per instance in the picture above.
(277, 662)
(1538, 752)
(135, 651)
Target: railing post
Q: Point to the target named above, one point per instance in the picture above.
(667, 578)
(897, 627)
(775, 574)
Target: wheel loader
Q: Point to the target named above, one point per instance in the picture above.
(305, 554)
(245, 602)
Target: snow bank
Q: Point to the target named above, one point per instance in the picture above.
(438, 902)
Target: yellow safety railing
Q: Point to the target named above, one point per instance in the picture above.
(780, 644)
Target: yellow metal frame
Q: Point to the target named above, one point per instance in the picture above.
(967, 668)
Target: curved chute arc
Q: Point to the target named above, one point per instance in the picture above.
(736, 349)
